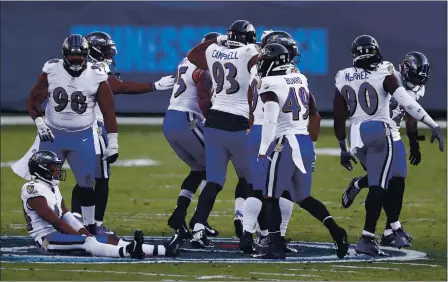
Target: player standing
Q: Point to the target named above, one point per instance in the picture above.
(183, 128)
(229, 59)
(363, 94)
(414, 73)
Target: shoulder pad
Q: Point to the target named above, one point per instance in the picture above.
(101, 74)
(269, 83)
(339, 76)
(48, 66)
(386, 68)
(32, 189)
(251, 49)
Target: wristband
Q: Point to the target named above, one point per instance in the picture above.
(72, 221)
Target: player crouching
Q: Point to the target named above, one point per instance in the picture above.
(55, 230)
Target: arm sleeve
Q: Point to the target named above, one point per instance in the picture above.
(412, 107)
(72, 221)
(271, 111)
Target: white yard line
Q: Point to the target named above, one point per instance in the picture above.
(365, 267)
(283, 274)
(321, 270)
(413, 264)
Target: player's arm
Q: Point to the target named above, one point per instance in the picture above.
(392, 84)
(412, 132)
(252, 62)
(204, 86)
(314, 121)
(271, 111)
(106, 103)
(250, 97)
(40, 206)
(197, 55)
(131, 88)
(71, 220)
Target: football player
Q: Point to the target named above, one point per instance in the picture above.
(286, 151)
(73, 87)
(183, 128)
(363, 93)
(286, 205)
(55, 230)
(414, 73)
(229, 59)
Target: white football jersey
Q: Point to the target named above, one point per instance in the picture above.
(71, 100)
(184, 97)
(35, 225)
(398, 113)
(257, 104)
(293, 98)
(98, 113)
(364, 93)
(231, 77)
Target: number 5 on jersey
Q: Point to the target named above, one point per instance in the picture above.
(292, 104)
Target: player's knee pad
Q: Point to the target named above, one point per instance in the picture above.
(86, 196)
(193, 180)
(257, 194)
(241, 190)
(286, 195)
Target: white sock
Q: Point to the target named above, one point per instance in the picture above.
(252, 208)
(387, 232)
(256, 227)
(367, 233)
(356, 184)
(149, 250)
(98, 223)
(122, 243)
(239, 206)
(286, 207)
(198, 227)
(92, 246)
(88, 215)
(395, 225)
(201, 187)
(264, 232)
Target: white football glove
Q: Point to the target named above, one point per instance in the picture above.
(43, 130)
(111, 154)
(222, 40)
(165, 83)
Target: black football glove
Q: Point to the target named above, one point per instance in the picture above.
(415, 157)
(346, 156)
(437, 134)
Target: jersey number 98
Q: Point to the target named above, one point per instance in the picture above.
(77, 100)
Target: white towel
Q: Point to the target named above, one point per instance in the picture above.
(355, 137)
(21, 166)
(296, 155)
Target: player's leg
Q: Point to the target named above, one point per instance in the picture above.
(394, 233)
(82, 160)
(301, 193)
(217, 158)
(184, 133)
(378, 155)
(102, 174)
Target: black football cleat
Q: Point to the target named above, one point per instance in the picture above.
(247, 243)
(172, 247)
(238, 223)
(209, 231)
(289, 249)
(276, 249)
(387, 240)
(135, 247)
(91, 228)
(340, 238)
(200, 240)
(103, 230)
(402, 238)
(350, 193)
(369, 246)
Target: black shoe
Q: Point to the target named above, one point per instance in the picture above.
(276, 249)
(200, 240)
(172, 247)
(184, 233)
(238, 223)
(289, 249)
(209, 231)
(247, 243)
(177, 218)
(402, 238)
(388, 240)
(91, 228)
(340, 238)
(135, 247)
(369, 246)
(350, 193)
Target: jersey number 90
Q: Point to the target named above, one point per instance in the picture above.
(367, 98)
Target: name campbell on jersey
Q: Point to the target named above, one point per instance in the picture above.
(231, 77)
(72, 100)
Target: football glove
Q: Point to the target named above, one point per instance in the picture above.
(346, 156)
(437, 134)
(165, 83)
(45, 133)
(111, 154)
(415, 156)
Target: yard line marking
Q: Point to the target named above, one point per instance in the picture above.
(365, 267)
(414, 264)
(321, 270)
(284, 274)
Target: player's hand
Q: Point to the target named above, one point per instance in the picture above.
(165, 83)
(437, 134)
(43, 130)
(111, 154)
(415, 156)
(346, 159)
(222, 40)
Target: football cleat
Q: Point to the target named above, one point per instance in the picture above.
(200, 240)
(135, 247)
(276, 250)
(340, 238)
(350, 193)
(369, 246)
(91, 228)
(177, 218)
(238, 223)
(289, 249)
(103, 230)
(402, 238)
(172, 247)
(387, 240)
(209, 231)
(247, 243)
(183, 232)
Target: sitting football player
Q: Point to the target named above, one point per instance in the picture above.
(55, 229)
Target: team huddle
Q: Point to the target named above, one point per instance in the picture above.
(233, 99)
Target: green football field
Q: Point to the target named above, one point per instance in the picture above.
(143, 196)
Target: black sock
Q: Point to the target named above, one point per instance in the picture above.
(188, 189)
(363, 182)
(373, 206)
(242, 189)
(206, 201)
(101, 197)
(76, 206)
(394, 199)
(275, 216)
(319, 211)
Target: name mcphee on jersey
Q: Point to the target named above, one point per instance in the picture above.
(357, 76)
